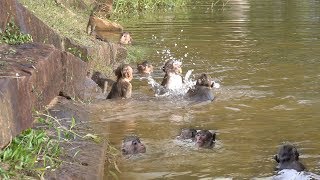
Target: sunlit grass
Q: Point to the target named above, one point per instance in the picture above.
(29, 154)
(137, 6)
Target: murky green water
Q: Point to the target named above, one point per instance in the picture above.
(266, 56)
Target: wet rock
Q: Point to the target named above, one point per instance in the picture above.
(82, 158)
(31, 75)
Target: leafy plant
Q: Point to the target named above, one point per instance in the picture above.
(137, 6)
(12, 35)
(30, 153)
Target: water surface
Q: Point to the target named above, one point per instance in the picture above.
(266, 56)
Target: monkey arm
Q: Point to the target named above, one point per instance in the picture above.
(126, 90)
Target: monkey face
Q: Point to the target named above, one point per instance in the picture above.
(127, 73)
(204, 80)
(204, 138)
(145, 68)
(133, 147)
(125, 38)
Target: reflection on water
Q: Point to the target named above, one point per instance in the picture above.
(266, 56)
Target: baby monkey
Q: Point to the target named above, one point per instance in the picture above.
(125, 38)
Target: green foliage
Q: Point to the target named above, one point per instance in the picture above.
(12, 35)
(135, 54)
(77, 52)
(136, 6)
(112, 158)
(30, 153)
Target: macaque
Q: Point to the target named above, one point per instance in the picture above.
(91, 23)
(172, 78)
(205, 139)
(132, 145)
(122, 88)
(288, 158)
(202, 91)
(101, 80)
(188, 133)
(145, 68)
(125, 38)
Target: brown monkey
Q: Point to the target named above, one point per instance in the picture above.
(125, 38)
(205, 139)
(288, 158)
(122, 88)
(188, 133)
(101, 80)
(91, 23)
(172, 78)
(202, 91)
(132, 145)
(145, 68)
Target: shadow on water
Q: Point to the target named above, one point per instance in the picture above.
(265, 55)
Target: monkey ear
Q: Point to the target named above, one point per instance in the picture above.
(296, 155)
(124, 152)
(213, 136)
(276, 158)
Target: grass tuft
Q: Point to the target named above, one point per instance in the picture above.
(12, 35)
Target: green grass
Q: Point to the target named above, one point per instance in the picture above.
(12, 35)
(135, 54)
(138, 6)
(29, 154)
(69, 22)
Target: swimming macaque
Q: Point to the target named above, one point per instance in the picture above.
(101, 80)
(125, 38)
(145, 68)
(172, 78)
(288, 158)
(122, 88)
(188, 133)
(132, 145)
(205, 139)
(202, 91)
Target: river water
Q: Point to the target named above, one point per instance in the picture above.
(266, 57)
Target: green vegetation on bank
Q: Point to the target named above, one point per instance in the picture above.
(138, 6)
(29, 154)
(12, 35)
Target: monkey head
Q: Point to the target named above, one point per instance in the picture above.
(205, 139)
(132, 145)
(172, 66)
(124, 71)
(188, 133)
(287, 153)
(125, 38)
(145, 68)
(204, 80)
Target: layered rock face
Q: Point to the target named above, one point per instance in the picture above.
(31, 75)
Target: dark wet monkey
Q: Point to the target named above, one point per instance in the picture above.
(202, 91)
(288, 158)
(132, 145)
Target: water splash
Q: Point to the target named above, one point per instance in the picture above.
(160, 90)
